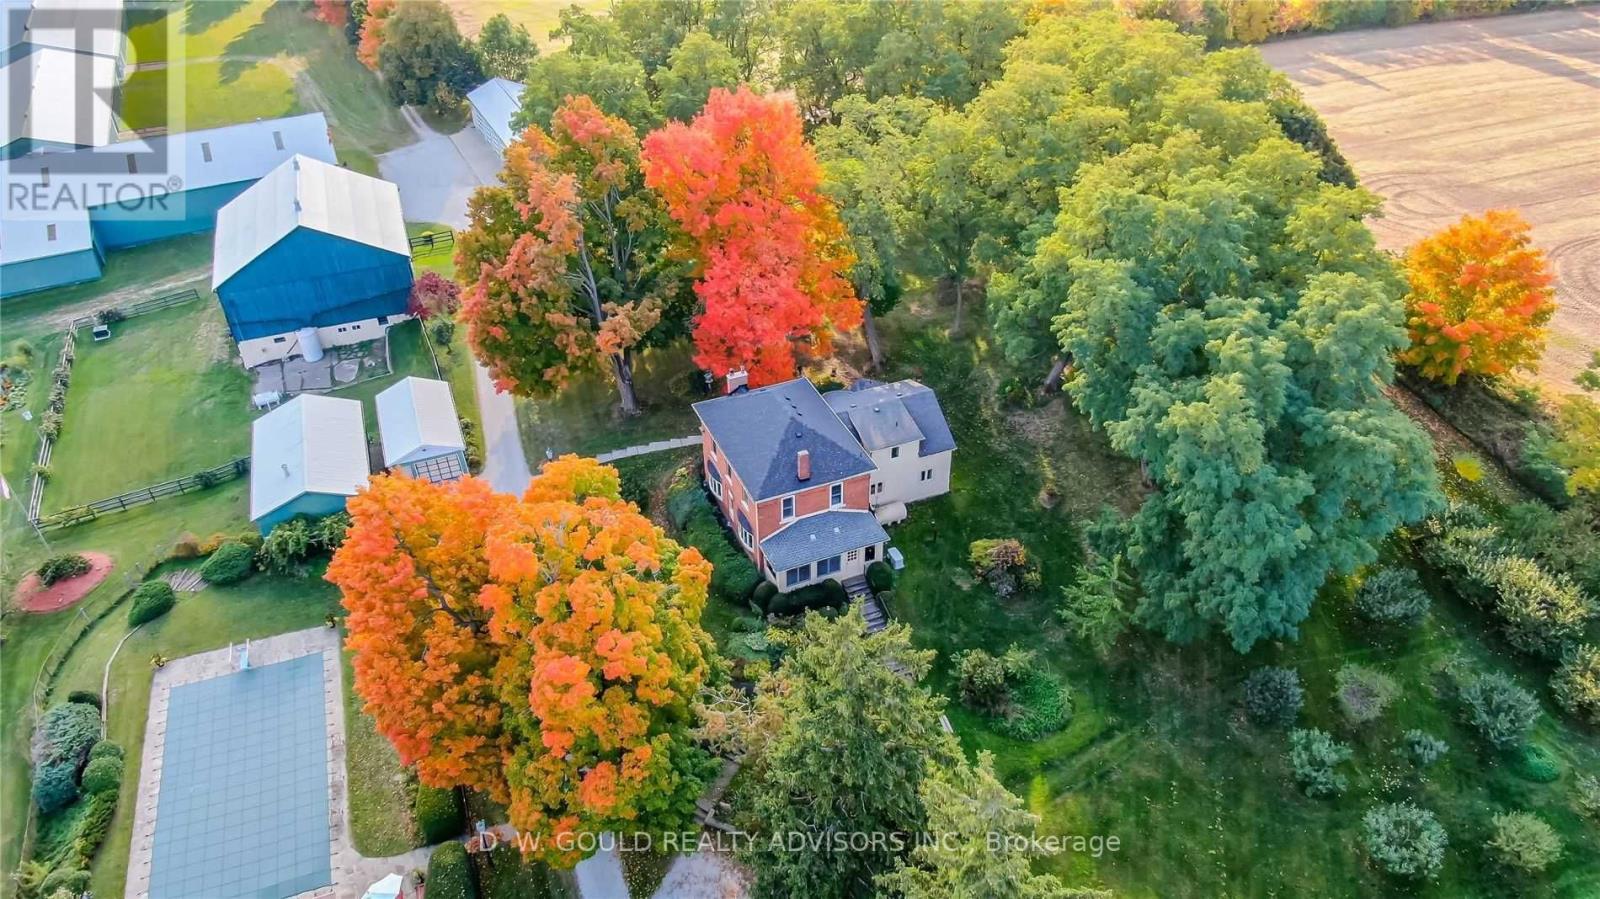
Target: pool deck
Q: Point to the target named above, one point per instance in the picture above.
(351, 872)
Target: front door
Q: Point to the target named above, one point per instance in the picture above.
(872, 552)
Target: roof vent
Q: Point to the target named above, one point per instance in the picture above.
(802, 465)
(285, 467)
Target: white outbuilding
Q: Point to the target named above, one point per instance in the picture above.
(494, 104)
(307, 457)
(420, 430)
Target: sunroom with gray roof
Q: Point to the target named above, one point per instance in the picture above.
(761, 431)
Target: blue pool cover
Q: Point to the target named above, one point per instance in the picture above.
(243, 810)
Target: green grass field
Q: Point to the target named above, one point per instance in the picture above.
(214, 95)
(162, 267)
(164, 397)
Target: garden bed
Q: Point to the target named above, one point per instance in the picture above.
(34, 596)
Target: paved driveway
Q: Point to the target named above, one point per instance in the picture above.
(438, 173)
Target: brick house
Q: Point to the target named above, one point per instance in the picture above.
(806, 481)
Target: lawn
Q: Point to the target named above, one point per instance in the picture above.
(455, 361)
(164, 397)
(381, 822)
(215, 94)
(540, 17)
(136, 540)
(136, 273)
(257, 59)
(585, 418)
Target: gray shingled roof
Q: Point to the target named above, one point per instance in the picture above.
(762, 430)
(883, 415)
(821, 536)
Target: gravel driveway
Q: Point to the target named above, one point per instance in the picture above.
(438, 173)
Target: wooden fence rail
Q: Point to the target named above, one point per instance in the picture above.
(122, 502)
(154, 304)
(432, 242)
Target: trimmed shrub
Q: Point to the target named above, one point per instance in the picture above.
(84, 697)
(329, 531)
(1523, 842)
(1425, 748)
(764, 594)
(1586, 796)
(1392, 596)
(982, 680)
(442, 331)
(106, 749)
(1537, 764)
(828, 594)
(1363, 693)
(1003, 564)
(1313, 755)
(60, 744)
(286, 546)
(1541, 613)
(1404, 840)
(151, 600)
(102, 775)
(1273, 696)
(1498, 709)
(230, 564)
(449, 874)
(439, 815)
(1577, 683)
(60, 568)
(880, 577)
(54, 787)
(94, 826)
(73, 880)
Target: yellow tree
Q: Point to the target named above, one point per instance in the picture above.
(546, 650)
(1480, 298)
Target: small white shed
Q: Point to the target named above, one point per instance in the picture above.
(494, 104)
(421, 433)
(306, 458)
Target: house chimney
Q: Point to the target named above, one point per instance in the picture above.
(802, 465)
(738, 379)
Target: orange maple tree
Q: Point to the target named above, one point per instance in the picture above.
(568, 256)
(771, 255)
(545, 650)
(378, 13)
(1480, 298)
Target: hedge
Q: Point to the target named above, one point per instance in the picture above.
(84, 697)
(106, 749)
(438, 813)
(95, 826)
(230, 564)
(102, 775)
(827, 594)
(60, 745)
(880, 577)
(151, 600)
(72, 880)
(449, 874)
(733, 575)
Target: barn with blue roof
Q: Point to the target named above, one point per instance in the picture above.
(309, 257)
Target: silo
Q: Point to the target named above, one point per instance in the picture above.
(310, 344)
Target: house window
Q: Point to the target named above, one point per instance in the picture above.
(439, 469)
(797, 575)
(746, 537)
(383, 321)
(836, 495)
(786, 508)
(205, 150)
(279, 339)
(852, 555)
(49, 232)
(927, 475)
(827, 566)
(894, 452)
(872, 552)
(342, 329)
(716, 488)
(133, 164)
(714, 448)
(277, 139)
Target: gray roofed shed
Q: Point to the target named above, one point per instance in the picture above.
(761, 431)
(822, 536)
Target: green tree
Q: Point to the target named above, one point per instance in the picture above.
(505, 50)
(944, 210)
(854, 735)
(943, 50)
(424, 58)
(696, 66)
(616, 85)
(864, 163)
(971, 812)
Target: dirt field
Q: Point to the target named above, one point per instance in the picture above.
(1457, 117)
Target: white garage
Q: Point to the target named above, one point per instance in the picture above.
(494, 104)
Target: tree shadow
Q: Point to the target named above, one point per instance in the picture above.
(200, 15)
(270, 36)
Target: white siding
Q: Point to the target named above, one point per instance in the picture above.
(278, 347)
(902, 479)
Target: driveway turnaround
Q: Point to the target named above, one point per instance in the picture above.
(438, 173)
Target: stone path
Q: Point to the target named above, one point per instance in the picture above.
(644, 449)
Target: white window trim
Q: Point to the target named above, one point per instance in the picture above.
(787, 507)
(839, 486)
(747, 538)
(716, 488)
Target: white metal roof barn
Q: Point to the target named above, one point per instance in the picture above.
(306, 458)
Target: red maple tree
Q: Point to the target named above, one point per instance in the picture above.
(771, 255)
